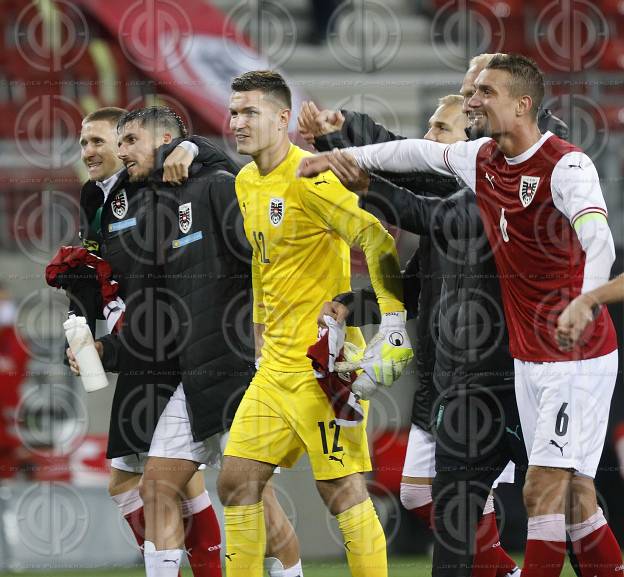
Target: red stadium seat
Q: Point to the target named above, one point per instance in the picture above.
(611, 8)
(8, 114)
(613, 57)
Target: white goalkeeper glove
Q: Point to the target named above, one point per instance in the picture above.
(385, 356)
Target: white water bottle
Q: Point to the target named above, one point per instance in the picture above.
(82, 346)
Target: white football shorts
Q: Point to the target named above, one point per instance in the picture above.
(564, 410)
(420, 458)
(173, 439)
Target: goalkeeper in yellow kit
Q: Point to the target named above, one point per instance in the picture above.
(300, 230)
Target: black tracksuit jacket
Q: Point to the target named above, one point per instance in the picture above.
(182, 264)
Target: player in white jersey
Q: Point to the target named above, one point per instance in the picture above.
(451, 360)
(545, 218)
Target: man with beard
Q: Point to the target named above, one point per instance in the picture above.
(127, 223)
(561, 398)
(98, 144)
(461, 335)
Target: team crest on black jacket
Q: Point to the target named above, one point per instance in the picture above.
(185, 217)
(276, 211)
(119, 204)
(528, 189)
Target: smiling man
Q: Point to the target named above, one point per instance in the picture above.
(545, 219)
(118, 214)
(99, 153)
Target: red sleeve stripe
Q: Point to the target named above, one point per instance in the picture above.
(587, 210)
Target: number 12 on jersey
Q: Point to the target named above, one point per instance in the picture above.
(259, 240)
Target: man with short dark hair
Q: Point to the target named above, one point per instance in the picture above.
(161, 281)
(528, 184)
(300, 231)
(98, 142)
(462, 344)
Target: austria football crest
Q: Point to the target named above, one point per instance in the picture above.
(528, 189)
(276, 211)
(185, 217)
(119, 204)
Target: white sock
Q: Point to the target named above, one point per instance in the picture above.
(276, 569)
(128, 502)
(415, 496)
(547, 528)
(489, 506)
(192, 506)
(164, 563)
(587, 527)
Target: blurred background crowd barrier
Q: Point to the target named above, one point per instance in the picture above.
(61, 59)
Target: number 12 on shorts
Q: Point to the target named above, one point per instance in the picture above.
(336, 448)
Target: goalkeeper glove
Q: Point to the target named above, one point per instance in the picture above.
(385, 356)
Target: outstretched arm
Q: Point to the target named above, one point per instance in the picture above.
(457, 159)
(335, 208)
(396, 156)
(456, 216)
(403, 156)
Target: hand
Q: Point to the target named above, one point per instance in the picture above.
(385, 356)
(573, 321)
(344, 166)
(73, 362)
(313, 165)
(336, 310)
(175, 168)
(313, 122)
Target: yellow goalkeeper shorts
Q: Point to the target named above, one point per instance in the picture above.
(283, 415)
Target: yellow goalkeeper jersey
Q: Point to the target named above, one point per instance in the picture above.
(301, 230)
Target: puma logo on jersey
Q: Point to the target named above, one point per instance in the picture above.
(323, 181)
(560, 447)
(332, 458)
(490, 179)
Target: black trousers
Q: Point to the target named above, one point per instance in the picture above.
(477, 433)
